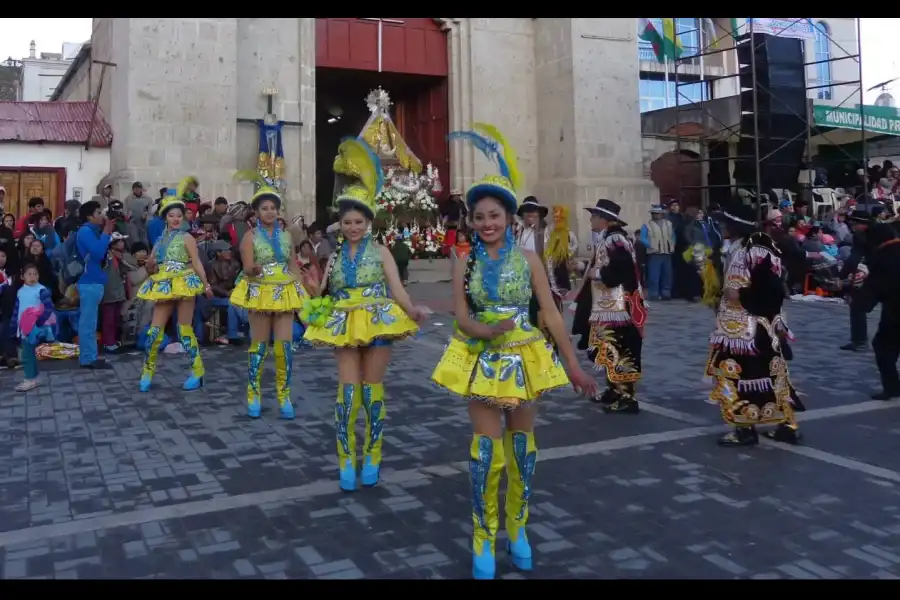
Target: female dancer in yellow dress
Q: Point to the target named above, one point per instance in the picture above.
(271, 289)
(499, 359)
(177, 278)
(364, 309)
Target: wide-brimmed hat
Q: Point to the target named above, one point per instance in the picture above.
(741, 215)
(210, 218)
(657, 208)
(608, 210)
(773, 214)
(531, 204)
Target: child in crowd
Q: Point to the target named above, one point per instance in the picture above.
(136, 313)
(114, 293)
(35, 318)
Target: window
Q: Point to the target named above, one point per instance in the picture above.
(823, 53)
(657, 93)
(687, 30)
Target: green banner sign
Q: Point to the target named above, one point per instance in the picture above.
(877, 119)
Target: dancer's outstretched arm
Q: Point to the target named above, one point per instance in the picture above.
(398, 292)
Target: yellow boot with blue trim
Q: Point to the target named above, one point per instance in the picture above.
(521, 458)
(485, 469)
(345, 411)
(151, 353)
(256, 357)
(284, 362)
(373, 405)
(190, 345)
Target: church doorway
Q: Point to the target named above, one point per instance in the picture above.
(407, 58)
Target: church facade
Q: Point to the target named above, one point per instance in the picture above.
(182, 94)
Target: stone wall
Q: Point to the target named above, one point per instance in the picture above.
(280, 53)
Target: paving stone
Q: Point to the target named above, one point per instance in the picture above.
(84, 446)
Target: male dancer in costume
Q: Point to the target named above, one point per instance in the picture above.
(610, 309)
(748, 350)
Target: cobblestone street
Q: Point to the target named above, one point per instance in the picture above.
(97, 480)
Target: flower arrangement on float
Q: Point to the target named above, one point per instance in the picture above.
(408, 212)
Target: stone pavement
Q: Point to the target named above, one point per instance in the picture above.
(97, 480)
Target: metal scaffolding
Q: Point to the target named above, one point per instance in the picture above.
(714, 130)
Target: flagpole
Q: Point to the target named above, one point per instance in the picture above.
(666, 79)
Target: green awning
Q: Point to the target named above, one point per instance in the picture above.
(878, 120)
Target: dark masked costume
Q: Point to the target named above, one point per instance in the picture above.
(749, 348)
(882, 256)
(610, 307)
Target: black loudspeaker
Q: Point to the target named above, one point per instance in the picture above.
(780, 120)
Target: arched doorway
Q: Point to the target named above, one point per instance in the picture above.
(408, 58)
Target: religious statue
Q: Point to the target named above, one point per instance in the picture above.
(408, 197)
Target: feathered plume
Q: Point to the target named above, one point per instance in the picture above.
(182, 186)
(356, 159)
(509, 154)
(487, 146)
(251, 176)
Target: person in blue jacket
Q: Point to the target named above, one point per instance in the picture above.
(92, 242)
(157, 225)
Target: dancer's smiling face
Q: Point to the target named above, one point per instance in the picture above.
(354, 225)
(267, 212)
(174, 216)
(490, 220)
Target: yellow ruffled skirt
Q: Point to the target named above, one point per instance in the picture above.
(268, 294)
(170, 285)
(359, 318)
(509, 371)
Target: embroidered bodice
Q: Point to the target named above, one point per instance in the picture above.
(363, 269)
(609, 303)
(264, 253)
(173, 250)
(511, 287)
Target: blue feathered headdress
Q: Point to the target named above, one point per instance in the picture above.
(488, 140)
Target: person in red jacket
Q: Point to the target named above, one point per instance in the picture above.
(35, 206)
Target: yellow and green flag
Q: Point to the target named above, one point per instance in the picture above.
(666, 45)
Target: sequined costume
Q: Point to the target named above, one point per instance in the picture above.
(363, 313)
(749, 347)
(174, 280)
(275, 291)
(508, 371)
(359, 313)
(613, 314)
(516, 367)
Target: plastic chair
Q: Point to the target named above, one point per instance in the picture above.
(827, 199)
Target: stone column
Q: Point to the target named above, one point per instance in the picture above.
(589, 128)
(172, 102)
(272, 54)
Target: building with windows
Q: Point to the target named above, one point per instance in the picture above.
(836, 40)
(39, 75)
(832, 79)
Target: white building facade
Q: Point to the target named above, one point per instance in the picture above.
(41, 74)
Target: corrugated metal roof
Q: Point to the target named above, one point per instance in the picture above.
(53, 123)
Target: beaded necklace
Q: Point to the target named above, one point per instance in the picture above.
(492, 268)
(348, 264)
(273, 239)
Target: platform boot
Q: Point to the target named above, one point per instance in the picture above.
(151, 353)
(189, 342)
(486, 460)
(284, 364)
(256, 358)
(521, 458)
(345, 411)
(373, 405)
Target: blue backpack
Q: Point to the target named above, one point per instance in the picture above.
(74, 266)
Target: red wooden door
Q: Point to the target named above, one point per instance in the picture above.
(426, 122)
(415, 46)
